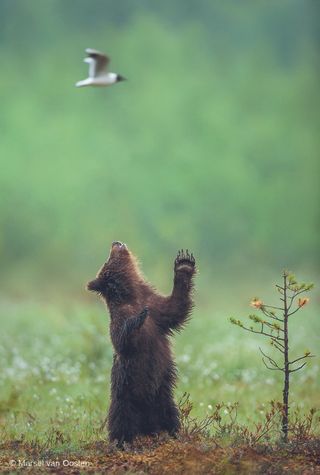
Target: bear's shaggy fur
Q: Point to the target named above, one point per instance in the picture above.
(143, 373)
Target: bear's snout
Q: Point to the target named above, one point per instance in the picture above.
(119, 244)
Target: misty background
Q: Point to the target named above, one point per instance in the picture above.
(212, 144)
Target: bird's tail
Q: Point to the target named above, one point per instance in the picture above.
(83, 83)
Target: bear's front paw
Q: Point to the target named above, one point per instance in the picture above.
(142, 316)
(184, 261)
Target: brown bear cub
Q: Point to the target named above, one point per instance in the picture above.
(143, 374)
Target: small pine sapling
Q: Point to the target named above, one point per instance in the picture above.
(274, 324)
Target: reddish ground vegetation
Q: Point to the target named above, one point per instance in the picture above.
(153, 456)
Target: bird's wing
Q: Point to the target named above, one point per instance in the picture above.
(98, 62)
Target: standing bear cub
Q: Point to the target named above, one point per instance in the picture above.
(143, 374)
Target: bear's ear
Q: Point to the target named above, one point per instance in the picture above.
(94, 285)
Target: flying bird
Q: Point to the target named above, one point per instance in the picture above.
(98, 70)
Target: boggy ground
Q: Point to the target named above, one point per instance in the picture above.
(162, 455)
(54, 397)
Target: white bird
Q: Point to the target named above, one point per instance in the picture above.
(98, 72)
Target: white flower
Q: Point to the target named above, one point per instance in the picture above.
(185, 358)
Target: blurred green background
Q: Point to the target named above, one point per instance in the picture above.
(212, 144)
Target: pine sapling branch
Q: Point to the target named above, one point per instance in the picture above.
(276, 323)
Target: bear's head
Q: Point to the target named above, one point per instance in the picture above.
(117, 279)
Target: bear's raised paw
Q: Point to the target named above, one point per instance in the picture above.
(184, 261)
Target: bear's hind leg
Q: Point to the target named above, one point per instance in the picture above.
(151, 423)
(124, 422)
(167, 411)
(170, 421)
